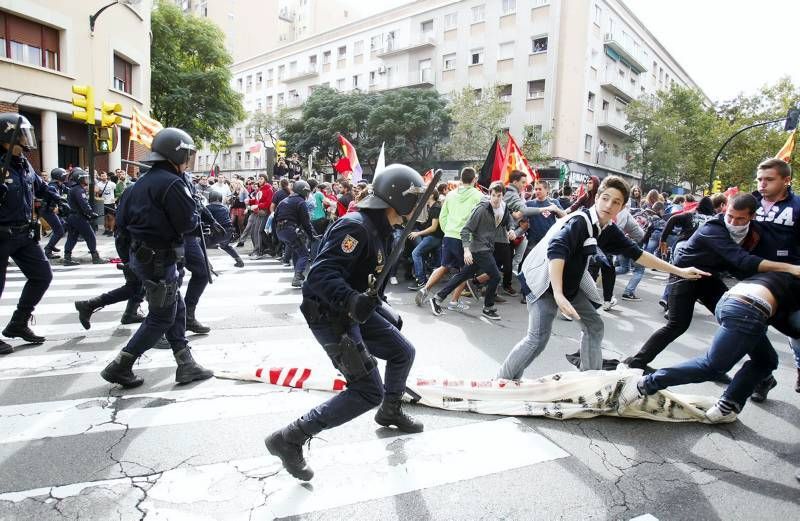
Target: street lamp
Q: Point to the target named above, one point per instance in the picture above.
(93, 18)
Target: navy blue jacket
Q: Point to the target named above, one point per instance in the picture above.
(780, 238)
(711, 249)
(221, 214)
(293, 209)
(78, 202)
(23, 184)
(353, 248)
(159, 208)
(61, 190)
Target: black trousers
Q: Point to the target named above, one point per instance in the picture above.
(609, 273)
(504, 257)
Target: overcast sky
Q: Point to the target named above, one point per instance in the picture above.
(726, 46)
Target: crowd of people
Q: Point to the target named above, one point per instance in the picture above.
(520, 242)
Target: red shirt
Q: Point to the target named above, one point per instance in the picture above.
(263, 198)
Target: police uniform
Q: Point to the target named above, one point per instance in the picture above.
(194, 260)
(78, 221)
(156, 214)
(352, 325)
(53, 219)
(18, 233)
(293, 226)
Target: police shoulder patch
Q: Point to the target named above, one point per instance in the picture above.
(349, 244)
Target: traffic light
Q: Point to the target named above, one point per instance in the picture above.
(83, 101)
(103, 140)
(716, 188)
(108, 117)
(280, 149)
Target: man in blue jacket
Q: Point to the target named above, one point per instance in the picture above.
(80, 217)
(293, 226)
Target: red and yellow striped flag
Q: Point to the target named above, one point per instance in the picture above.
(785, 153)
(143, 128)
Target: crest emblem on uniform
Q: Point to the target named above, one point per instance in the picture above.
(349, 244)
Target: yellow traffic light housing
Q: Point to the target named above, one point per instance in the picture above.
(716, 187)
(280, 148)
(85, 102)
(109, 116)
(104, 140)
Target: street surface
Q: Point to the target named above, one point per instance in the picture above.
(74, 447)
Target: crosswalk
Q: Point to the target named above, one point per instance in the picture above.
(73, 446)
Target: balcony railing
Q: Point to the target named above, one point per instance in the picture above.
(613, 122)
(297, 76)
(626, 50)
(611, 161)
(620, 87)
(294, 103)
(394, 47)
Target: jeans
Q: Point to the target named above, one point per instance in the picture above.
(383, 341)
(519, 254)
(603, 265)
(482, 262)
(32, 263)
(541, 314)
(682, 298)
(743, 331)
(425, 245)
(638, 269)
(57, 227)
(625, 264)
(79, 225)
(503, 255)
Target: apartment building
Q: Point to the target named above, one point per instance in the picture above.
(46, 47)
(565, 67)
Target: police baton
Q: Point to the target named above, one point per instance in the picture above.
(376, 285)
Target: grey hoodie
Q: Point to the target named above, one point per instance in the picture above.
(479, 232)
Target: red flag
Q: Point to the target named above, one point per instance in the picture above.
(514, 160)
(349, 152)
(687, 207)
(731, 192)
(785, 153)
(428, 177)
(343, 165)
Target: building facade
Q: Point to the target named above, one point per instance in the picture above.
(566, 68)
(46, 47)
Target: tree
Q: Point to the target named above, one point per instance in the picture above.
(265, 127)
(535, 145)
(190, 79)
(477, 119)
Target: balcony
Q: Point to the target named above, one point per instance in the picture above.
(394, 48)
(294, 103)
(613, 122)
(423, 78)
(609, 160)
(620, 87)
(624, 49)
(311, 72)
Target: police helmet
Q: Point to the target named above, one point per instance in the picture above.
(301, 188)
(8, 124)
(57, 174)
(172, 144)
(398, 187)
(214, 196)
(79, 174)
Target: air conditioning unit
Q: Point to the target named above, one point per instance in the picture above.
(381, 70)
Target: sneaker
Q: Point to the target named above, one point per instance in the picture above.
(457, 306)
(490, 313)
(508, 290)
(562, 316)
(416, 286)
(436, 306)
(630, 296)
(421, 295)
(663, 304)
(763, 388)
(630, 393)
(393, 281)
(715, 415)
(608, 304)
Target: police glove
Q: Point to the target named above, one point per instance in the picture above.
(217, 229)
(205, 229)
(360, 306)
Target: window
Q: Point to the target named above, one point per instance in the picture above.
(536, 89)
(249, 83)
(358, 48)
(504, 92)
(590, 100)
(535, 132)
(426, 28)
(476, 56)
(372, 76)
(605, 106)
(538, 44)
(28, 42)
(340, 84)
(355, 81)
(123, 72)
(292, 68)
(478, 13)
(540, 3)
(326, 57)
(268, 104)
(376, 43)
(509, 6)
(270, 74)
(449, 62)
(342, 51)
(450, 21)
(280, 100)
(281, 72)
(312, 62)
(239, 84)
(259, 106)
(505, 51)
(587, 143)
(259, 80)
(598, 13)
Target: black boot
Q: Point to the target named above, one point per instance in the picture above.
(50, 255)
(763, 388)
(86, 308)
(239, 262)
(297, 281)
(120, 371)
(390, 413)
(68, 260)
(192, 324)
(96, 258)
(189, 370)
(5, 349)
(131, 314)
(287, 444)
(18, 328)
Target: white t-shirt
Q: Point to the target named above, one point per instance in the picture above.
(106, 191)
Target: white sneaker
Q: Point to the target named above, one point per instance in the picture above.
(457, 306)
(630, 393)
(420, 297)
(393, 281)
(608, 304)
(715, 415)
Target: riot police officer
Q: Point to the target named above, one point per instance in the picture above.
(54, 213)
(19, 184)
(354, 326)
(156, 214)
(293, 226)
(80, 217)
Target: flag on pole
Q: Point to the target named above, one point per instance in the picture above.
(381, 163)
(349, 152)
(785, 153)
(143, 128)
(255, 148)
(515, 160)
(428, 177)
(492, 167)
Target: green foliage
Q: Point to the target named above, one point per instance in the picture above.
(477, 119)
(535, 145)
(264, 126)
(190, 75)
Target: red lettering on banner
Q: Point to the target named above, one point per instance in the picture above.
(303, 378)
(258, 372)
(287, 382)
(338, 385)
(274, 374)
